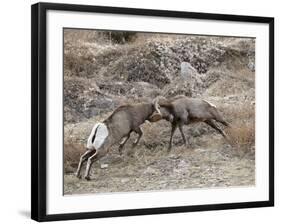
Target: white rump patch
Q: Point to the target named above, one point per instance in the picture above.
(212, 105)
(99, 133)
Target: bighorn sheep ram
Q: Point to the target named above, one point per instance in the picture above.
(119, 125)
(182, 110)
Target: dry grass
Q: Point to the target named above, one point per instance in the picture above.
(242, 131)
(242, 136)
(72, 153)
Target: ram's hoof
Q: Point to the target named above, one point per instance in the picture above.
(87, 178)
(120, 150)
(78, 175)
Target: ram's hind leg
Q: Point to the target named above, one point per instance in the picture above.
(101, 152)
(213, 125)
(218, 117)
(184, 120)
(83, 159)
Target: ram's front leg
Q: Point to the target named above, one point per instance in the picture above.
(182, 135)
(140, 133)
(174, 127)
(121, 146)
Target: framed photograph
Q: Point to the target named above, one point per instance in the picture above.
(139, 111)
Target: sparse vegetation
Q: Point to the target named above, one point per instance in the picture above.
(242, 136)
(117, 37)
(100, 75)
(242, 132)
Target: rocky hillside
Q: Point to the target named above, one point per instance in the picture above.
(100, 76)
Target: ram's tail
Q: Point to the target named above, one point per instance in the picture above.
(97, 137)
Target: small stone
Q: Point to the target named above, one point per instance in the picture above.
(124, 180)
(103, 166)
(149, 170)
(182, 164)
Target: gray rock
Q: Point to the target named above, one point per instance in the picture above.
(187, 70)
(125, 180)
(149, 170)
(103, 166)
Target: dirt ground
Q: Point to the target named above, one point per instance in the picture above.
(182, 168)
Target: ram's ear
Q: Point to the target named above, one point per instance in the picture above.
(155, 117)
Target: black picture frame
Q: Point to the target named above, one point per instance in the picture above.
(39, 122)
